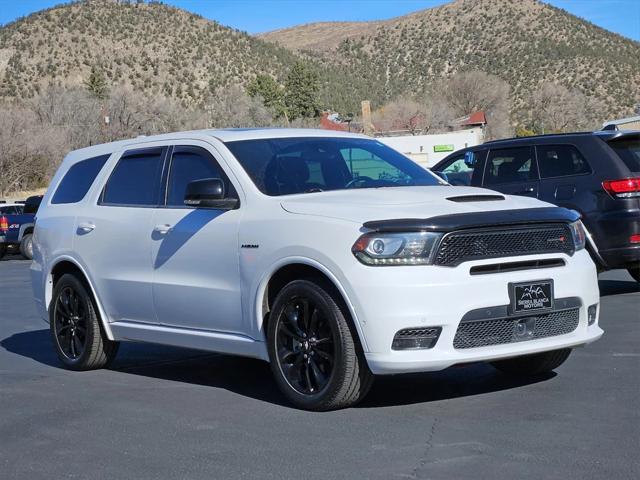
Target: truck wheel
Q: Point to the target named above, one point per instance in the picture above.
(75, 328)
(26, 246)
(634, 272)
(314, 356)
(533, 364)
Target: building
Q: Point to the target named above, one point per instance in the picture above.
(630, 123)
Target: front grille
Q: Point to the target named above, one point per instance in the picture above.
(472, 334)
(462, 246)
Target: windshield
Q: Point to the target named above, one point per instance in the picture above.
(629, 152)
(284, 166)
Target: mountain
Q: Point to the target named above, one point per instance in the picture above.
(524, 42)
(165, 51)
(154, 48)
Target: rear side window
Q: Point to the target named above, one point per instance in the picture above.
(510, 165)
(189, 164)
(629, 152)
(136, 179)
(561, 161)
(76, 183)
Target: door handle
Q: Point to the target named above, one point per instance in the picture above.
(526, 190)
(86, 227)
(163, 228)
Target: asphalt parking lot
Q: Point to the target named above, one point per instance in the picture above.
(172, 413)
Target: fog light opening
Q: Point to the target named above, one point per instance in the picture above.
(592, 313)
(416, 338)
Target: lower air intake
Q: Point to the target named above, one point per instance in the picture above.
(416, 338)
(472, 334)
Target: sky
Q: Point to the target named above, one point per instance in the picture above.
(256, 16)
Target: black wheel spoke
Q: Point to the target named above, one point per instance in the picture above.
(285, 329)
(307, 377)
(321, 378)
(324, 355)
(313, 322)
(305, 315)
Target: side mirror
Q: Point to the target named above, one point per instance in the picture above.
(208, 193)
(469, 159)
(443, 176)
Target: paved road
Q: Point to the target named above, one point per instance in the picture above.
(173, 413)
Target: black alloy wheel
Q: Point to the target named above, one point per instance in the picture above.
(76, 332)
(70, 323)
(313, 347)
(305, 346)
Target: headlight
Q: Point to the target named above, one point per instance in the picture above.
(578, 234)
(396, 248)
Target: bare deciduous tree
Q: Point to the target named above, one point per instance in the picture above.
(232, 107)
(555, 108)
(473, 91)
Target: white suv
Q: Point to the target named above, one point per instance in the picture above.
(329, 255)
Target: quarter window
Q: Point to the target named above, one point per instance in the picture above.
(561, 161)
(78, 180)
(189, 164)
(510, 165)
(136, 179)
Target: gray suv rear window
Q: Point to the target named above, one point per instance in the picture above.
(76, 183)
(629, 152)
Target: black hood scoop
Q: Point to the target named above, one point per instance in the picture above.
(475, 198)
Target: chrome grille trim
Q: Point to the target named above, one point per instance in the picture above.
(476, 244)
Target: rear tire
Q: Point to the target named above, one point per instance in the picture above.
(315, 358)
(634, 272)
(75, 328)
(3, 250)
(535, 364)
(26, 246)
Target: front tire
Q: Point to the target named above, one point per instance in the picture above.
(75, 329)
(634, 272)
(314, 356)
(535, 364)
(26, 246)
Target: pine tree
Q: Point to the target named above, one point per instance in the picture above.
(271, 93)
(301, 92)
(97, 83)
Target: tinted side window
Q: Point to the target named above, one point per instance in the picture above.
(136, 179)
(459, 169)
(561, 161)
(189, 164)
(76, 183)
(509, 165)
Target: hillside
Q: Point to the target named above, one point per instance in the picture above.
(524, 42)
(152, 47)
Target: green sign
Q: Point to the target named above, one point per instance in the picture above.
(443, 148)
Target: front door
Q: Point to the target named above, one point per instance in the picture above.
(512, 171)
(196, 276)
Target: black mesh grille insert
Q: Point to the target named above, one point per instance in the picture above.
(462, 246)
(508, 330)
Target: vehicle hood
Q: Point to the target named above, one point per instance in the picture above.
(369, 204)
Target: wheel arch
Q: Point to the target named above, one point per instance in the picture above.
(299, 268)
(69, 265)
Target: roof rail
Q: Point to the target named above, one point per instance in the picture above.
(539, 136)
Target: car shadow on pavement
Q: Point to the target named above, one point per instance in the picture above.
(252, 378)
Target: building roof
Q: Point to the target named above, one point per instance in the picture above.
(475, 118)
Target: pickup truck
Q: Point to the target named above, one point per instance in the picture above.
(16, 229)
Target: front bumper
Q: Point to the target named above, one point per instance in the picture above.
(388, 299)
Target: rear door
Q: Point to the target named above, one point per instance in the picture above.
(113, 238)
(564, 173)
(512, 171)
